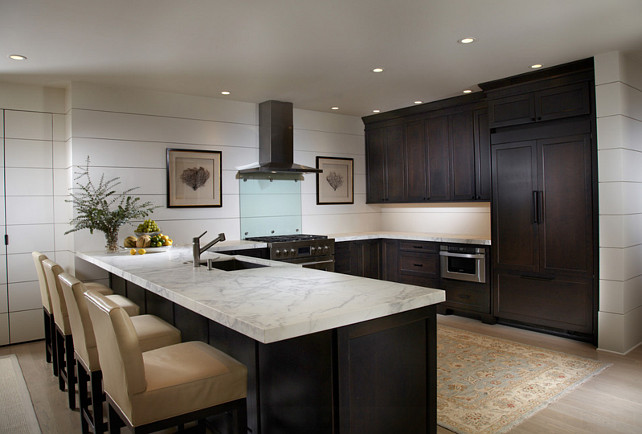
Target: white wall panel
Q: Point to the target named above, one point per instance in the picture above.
(122, 126)
(26, 325)
(24, 296)
(28, 153)
(32, 98)
(28, 182)
(20, 268)
(28, 125)
(4, 329)
(620, 230)
(29, 209)
(27, 238)
(4, 298)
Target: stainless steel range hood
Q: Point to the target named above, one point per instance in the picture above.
(276, 145)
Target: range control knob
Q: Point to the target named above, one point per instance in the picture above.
(292, 252)
(277, 253)
(312, 249)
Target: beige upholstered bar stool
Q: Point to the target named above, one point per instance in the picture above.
(62, 332)
(50, 326)
(152, 332)
(169, 386)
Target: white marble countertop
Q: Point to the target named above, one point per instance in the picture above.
(268, 304)
(415, 236)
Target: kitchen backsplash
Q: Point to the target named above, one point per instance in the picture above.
(269, 207)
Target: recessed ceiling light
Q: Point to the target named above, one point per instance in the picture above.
(17, 57)
(377, 70)
(468, 91)
(536, 66)
(225, 92)
(376, 111)
(466, 40)
(418, 102)
(335, 108)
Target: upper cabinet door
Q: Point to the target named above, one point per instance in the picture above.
(375, 165)
(482, 155)
(512, 110)
(544, 105)
(437, 137)
(563, 101)
(514, 206)
(566, 228)
(462, 142)
(416, 162)
(395, 163)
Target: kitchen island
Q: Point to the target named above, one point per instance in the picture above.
(325, 352)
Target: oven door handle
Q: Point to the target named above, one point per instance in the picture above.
(329, 261)
(463, 255)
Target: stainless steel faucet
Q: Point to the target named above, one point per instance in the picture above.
(197, 249)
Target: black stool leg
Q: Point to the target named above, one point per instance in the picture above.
(83, 397)
(71, 371)
(97, 401)
(47, 323)
(60, 358)
(54, 344)
(114, 421)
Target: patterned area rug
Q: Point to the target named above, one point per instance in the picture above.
(489, 385)
(16, 409)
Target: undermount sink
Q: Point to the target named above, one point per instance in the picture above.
(232, 264)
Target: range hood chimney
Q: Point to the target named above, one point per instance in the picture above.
(276, 145)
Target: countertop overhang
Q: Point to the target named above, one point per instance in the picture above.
(269, 304)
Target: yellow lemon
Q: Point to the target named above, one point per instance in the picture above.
(132, 252)
(142, 251)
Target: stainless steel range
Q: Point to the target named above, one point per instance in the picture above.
(311, 251)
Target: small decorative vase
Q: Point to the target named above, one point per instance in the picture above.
(111, 238)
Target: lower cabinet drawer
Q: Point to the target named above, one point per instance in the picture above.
(467, 295)
(419, 264)
(565, 304)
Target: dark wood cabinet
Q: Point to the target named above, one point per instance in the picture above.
(385, 164)
(554, 103)
(418, 263)
(544, 228)
(445, 154)
(358, 258)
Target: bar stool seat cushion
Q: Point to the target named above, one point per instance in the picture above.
(180, 375)
(129, 306)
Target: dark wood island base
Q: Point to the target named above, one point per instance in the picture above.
(377, 376)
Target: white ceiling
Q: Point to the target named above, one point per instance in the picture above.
(314, 53)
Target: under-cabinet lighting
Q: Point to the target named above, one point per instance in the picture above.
(377, 70)
(17, 57)
(376, 111)
(418, 102)
(536, 66)
(466, 40)
(468, 91)
(335, 108)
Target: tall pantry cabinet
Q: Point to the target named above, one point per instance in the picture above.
(27, 218)
(544, 215)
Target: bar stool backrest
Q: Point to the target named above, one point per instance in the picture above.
(61, 317)
(81, 327)
(120, 356)
(44, 290)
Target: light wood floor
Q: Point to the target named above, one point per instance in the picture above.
(608, 403)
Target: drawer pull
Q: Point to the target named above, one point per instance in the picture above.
(537, 276)
(418, 265)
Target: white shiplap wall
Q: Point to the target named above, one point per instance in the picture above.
(619, 124)
(34, 131)
(126, 133)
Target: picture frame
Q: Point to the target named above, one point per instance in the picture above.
(193, 178)
(336, 184)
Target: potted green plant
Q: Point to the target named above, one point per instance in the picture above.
(100, 207)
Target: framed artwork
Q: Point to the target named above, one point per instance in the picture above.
(193, 178)
(336, 184)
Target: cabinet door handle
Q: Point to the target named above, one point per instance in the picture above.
(535, 212)
(540, 206)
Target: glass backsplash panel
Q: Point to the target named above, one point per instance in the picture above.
(270, 207)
